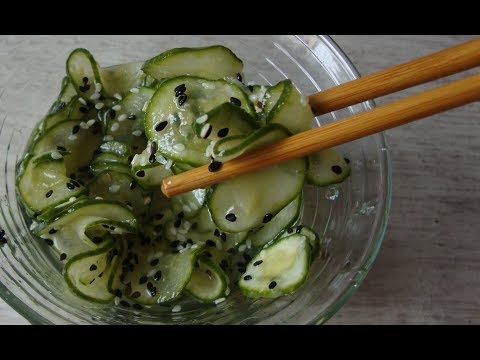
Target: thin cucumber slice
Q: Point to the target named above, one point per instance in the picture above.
(278, 269)
(242, 203)
(213, 62)
(67, 92)
(87, 274)
(291, 110)
(312, 236)
(189, 203)
(230, 148)
(275, 225)
(43, 183)
(170, 120)
(84, 72)
(119, 79)
(100, 167)
(117, 148)
(110, 158)
(327, 167)
(148, 170)
(208, 281)
(271, 97)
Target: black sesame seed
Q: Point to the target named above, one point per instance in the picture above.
(160, 126)
(101, 97)
(231, 217)
(49, 193)
(130, 158)
(177, 223)
(182, 98)
(70, 186)
(73, 176)
(85, 80)
(209, 273)
(216, 233)
(190, 241)
(250, 87)
(124, 303)
(3, 241)
(105, 226)
(149, 285)
(247, 257)
(152, 159)
(235, 101)
(267, 218)
(210, 243)
(157, 276)
(208, 132)
(95, 128)
(83, 109)
(61, 148)
(154, 262)
(143, 280)
(118, 293)
(207, 254)
(174, 243)
(222, 132)
(337, 169)
(272, 285)
(181, 215)
(290, 231)
(63, 256)
(214, 166)
(132, 117)
(153, 147)
(152, 291)
(137, 307)
(223, 236)
(258, 262)
(100, 275)
(131, 267)
(299, 229)
(140, 173)
(114, 252)
(239, 77)
(112, 113)
(93, 267)
(132, 185)
(180, 89)
(75, 129)
(97, 239)
(49, 242)
(91, 282)
(135, 295)
(347, 160)
(74, 183)
(52, 231)
(247, 277)
(2, 233)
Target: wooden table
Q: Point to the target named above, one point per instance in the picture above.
(428, 270)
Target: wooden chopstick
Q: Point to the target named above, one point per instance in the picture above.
(430, 67)
(415, 72)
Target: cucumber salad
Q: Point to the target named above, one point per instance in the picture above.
(90, 181)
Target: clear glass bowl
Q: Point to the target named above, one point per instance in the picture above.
(351, 217)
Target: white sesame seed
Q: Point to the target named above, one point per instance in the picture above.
(108, 138)
(98, 106)
(98, 198)
(169, 164)
(179, 147)
(82, 100)
(129, 207)
(249, 243)
(56, 155)
(137, 133)
(72, 199)
(66, 99)
(186, 224)
(114, 188)
(204, 130)
(161, 160)
(122, 117)
(90, 122)
(209, 150)
(202, 119)
(72, 137)
(227, 292)
(98, 87)
(176, 308)
(117, 107)
(116, 300)
(242, 248)
(179, 247)
(219, 300)
(115, 126)
(134, 90)
(194, 246)
(83, 125)
(186, 208)
(95, 96)
(207, 85)
(117, 96)
(33, 225)
(147, 200)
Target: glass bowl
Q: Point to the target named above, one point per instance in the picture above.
(351, 217)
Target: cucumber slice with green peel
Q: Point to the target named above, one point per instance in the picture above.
(81, 143)
(117, 148)
(271, 97)
(99, 167)
(69, 112)
(52, 212)
(178, 168)
(208, 281)
(43, 183)
(147, 169)
(84, 72)
(312, 236)
(189, 203)
(242, 203)
(119, 79)
(230, 148)
(275, 225)
(67, 92)
(171, 125)
(291, 110)
(118, 186)
(212, 62)
(110, 158)
(278, 269)
(327, 167)
(87, 274)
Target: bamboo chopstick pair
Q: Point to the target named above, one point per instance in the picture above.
(431, 67)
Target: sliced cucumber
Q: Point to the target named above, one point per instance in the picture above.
(274, 226)
(291, 110)
(242, 203)
(84, 72)
(43, 184)
(312, 236)
(327, 167)
(88, 273)
(148, 170)
(171, 125)
(119, 79)
(278, 269)
(189, 203)
(213, 62)
(208, 281)
(271, 97)
(117, 148)
(67, 92)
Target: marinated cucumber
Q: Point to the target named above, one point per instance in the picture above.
(278, 269)
(213, 62)
(327, 167)
(91, 177)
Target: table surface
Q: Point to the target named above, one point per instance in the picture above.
(428, 269)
